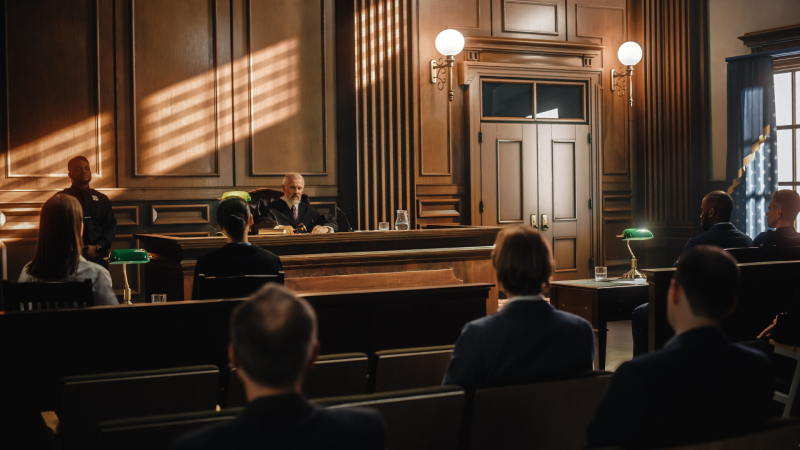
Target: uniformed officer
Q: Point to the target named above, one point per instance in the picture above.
(99, 223)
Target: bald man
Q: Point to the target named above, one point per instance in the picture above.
(289, 211)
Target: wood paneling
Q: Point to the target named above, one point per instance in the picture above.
(564, 255)
(58, 99)
(180, 214)
(379, 153)
(174, 93)
(509, 181)
(126, 215)
(564, 183)
(439, 207)
(529, 19)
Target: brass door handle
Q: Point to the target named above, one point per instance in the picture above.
(544, 222)
(533, 221)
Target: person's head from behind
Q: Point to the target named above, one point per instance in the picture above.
(58, 251)
(716, 207)
(523, 261)
(783, 208)
(292, 186)
(234, 218)
(273, 341)
(79, 170)
(703, 290)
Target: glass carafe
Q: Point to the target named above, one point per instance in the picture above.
(401, 224)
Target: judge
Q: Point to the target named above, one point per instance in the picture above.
(99, 223)
(289, 212)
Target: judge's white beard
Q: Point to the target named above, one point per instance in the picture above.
(292, 201)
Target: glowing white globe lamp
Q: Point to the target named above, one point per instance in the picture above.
(628, 54)
(449, 43)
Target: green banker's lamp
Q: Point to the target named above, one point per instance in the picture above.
(634, 234)
(128, 256)
(243, 194)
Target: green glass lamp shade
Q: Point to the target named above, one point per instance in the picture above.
(128, 256)
(243, 194)
(636, 234)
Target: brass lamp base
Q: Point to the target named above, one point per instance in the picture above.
(126, 293)
(633, 273)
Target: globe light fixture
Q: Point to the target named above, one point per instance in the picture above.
(449, 43)
(628, 54)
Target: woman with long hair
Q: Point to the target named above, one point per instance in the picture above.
(238, 257)
(58, 251)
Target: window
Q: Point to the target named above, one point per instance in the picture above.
(787, 116)
(541, 101)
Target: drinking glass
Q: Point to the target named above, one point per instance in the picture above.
(383, 226)
(159, 298)
(401, 224)
(600, 273)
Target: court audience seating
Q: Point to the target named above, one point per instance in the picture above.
(215, 288)
(411, 368)
(764, 254)
(781, 434)
(39, 296)
(156, 432)
(550, 414)
(788, 398)
(89, 399)
(332, 376)
(419, 419)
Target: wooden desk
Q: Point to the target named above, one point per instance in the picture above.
(599, 303)
(318, 262)
(765, 290)
(41, 347)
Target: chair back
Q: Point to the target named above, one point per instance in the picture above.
(338, 375)
(551, 415)
(421, 419)
(156, 432)
(214, 288)
(763, 254)
(782, 434)
(55, 295)
(411, 368)
(89, 399)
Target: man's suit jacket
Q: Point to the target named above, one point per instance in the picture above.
(306, 214)
(526, 339)
(699, 386)
(233, 260)
(782, 237)
(722, 235)
(290, 422)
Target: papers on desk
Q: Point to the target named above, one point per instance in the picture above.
(263, 231)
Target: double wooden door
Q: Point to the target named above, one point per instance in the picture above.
(540, 175)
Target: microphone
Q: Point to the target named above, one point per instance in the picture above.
(345, 219)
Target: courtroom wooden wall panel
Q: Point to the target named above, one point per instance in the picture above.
(58, 92)
(529, 19)
(174, 111)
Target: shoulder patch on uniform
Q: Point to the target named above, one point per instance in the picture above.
(94, 197)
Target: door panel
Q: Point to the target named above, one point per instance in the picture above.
(509, 181)
(563, 181)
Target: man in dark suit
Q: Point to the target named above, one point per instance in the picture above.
(715, 220)
(700, 386)
(782, 212)
(99, 223)
(528, 338)
(273, 342)
(238, 257)
(289, 212)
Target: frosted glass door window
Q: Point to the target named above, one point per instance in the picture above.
(559, 101)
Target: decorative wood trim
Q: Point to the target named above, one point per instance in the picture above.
(608, 199)
(325, 76)
(441, 189)
(136, 172)
(575, 256)
(189, 234)
(98, 115)
(606, 222)
(614, 8)
(23, 219)
(132, 213)
(431, 204)
(38, 197)
(521, 177)
(524, 2)
(772, 39)
(478, 17)
(331, 206)
(203, 218)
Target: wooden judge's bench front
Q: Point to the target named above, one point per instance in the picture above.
(340, 261)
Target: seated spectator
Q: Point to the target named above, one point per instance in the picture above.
(782, 212)
(238, 257)
(58, 251)
(273, 343)
(528, 338)
(700, 386)
(715, 220)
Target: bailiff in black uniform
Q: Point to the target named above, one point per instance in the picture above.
(99, 223)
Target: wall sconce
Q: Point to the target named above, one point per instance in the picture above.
(629, 54)
(449, 43)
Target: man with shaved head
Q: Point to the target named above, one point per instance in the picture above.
(273, 342)
(289, 212)
(718, 231)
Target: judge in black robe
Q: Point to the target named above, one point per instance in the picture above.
(280, 213)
